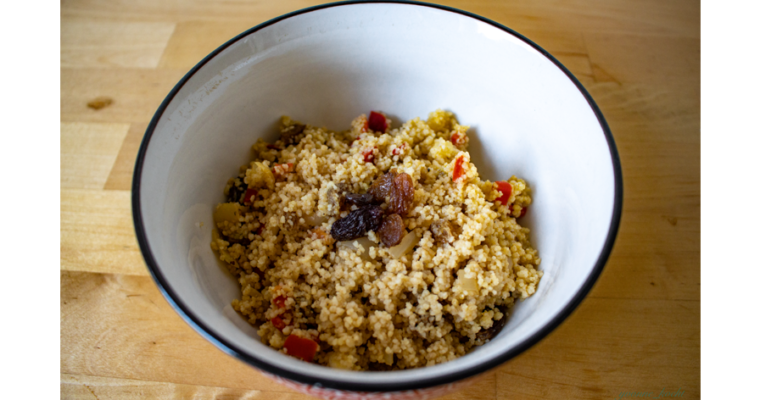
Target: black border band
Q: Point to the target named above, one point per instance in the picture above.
(265, 365)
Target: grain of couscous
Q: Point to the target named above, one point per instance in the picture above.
(374, 248)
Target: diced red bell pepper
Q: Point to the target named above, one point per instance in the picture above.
(377, 122)
(250, 194)
(278, 323)
(457, 138)
(279, 301)
(506, 191)
(299, 347)
(458, 169)
(369, 155)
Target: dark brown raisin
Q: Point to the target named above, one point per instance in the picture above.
(442, 231)
(402, 194)
(289, 134)
(360, 199)
(381, 188)
(238, 188)
(391, 230)
(488, 334)
(357, 223)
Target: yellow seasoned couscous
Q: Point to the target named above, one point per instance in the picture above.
(374, 248)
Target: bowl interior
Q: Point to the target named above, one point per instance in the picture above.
(327, 66)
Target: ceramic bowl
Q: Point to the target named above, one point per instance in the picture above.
(325, 65)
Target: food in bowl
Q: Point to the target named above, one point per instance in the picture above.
(374, 248)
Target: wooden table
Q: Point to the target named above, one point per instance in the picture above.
(637, 331)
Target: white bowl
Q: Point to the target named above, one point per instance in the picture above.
(327, 64)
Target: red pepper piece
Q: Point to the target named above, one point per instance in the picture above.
(377, 122)
(278, 323)
(261, 229)
(279, 301)
(399, 149)
(369, 155)
(304, 349)
(458, 169)
(506, 191)
(250, 194)
(457, 138)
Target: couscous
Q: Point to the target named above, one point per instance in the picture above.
(374, 248)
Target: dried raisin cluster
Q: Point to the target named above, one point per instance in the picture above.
(398, 190)
(357, 223)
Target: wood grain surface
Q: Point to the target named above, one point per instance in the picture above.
(637, 331)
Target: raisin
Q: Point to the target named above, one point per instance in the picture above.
(402, 194)
(381, 188)
(289, 134)
(357, 223)
(236, 191)
(391, 230)
(488, 334)
(360, 199)
(442, 231)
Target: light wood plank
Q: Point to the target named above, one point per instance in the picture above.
(120, 177)
(610, 346)
(136, 93)
(121, 326)
(656, 128)
(87, 152)
(87, 387)
(108, 43)
(648, 17)
(97, 233)
(643, 59)
(645, 17)
(147, 10)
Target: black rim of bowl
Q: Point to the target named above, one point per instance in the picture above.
(265, 365)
